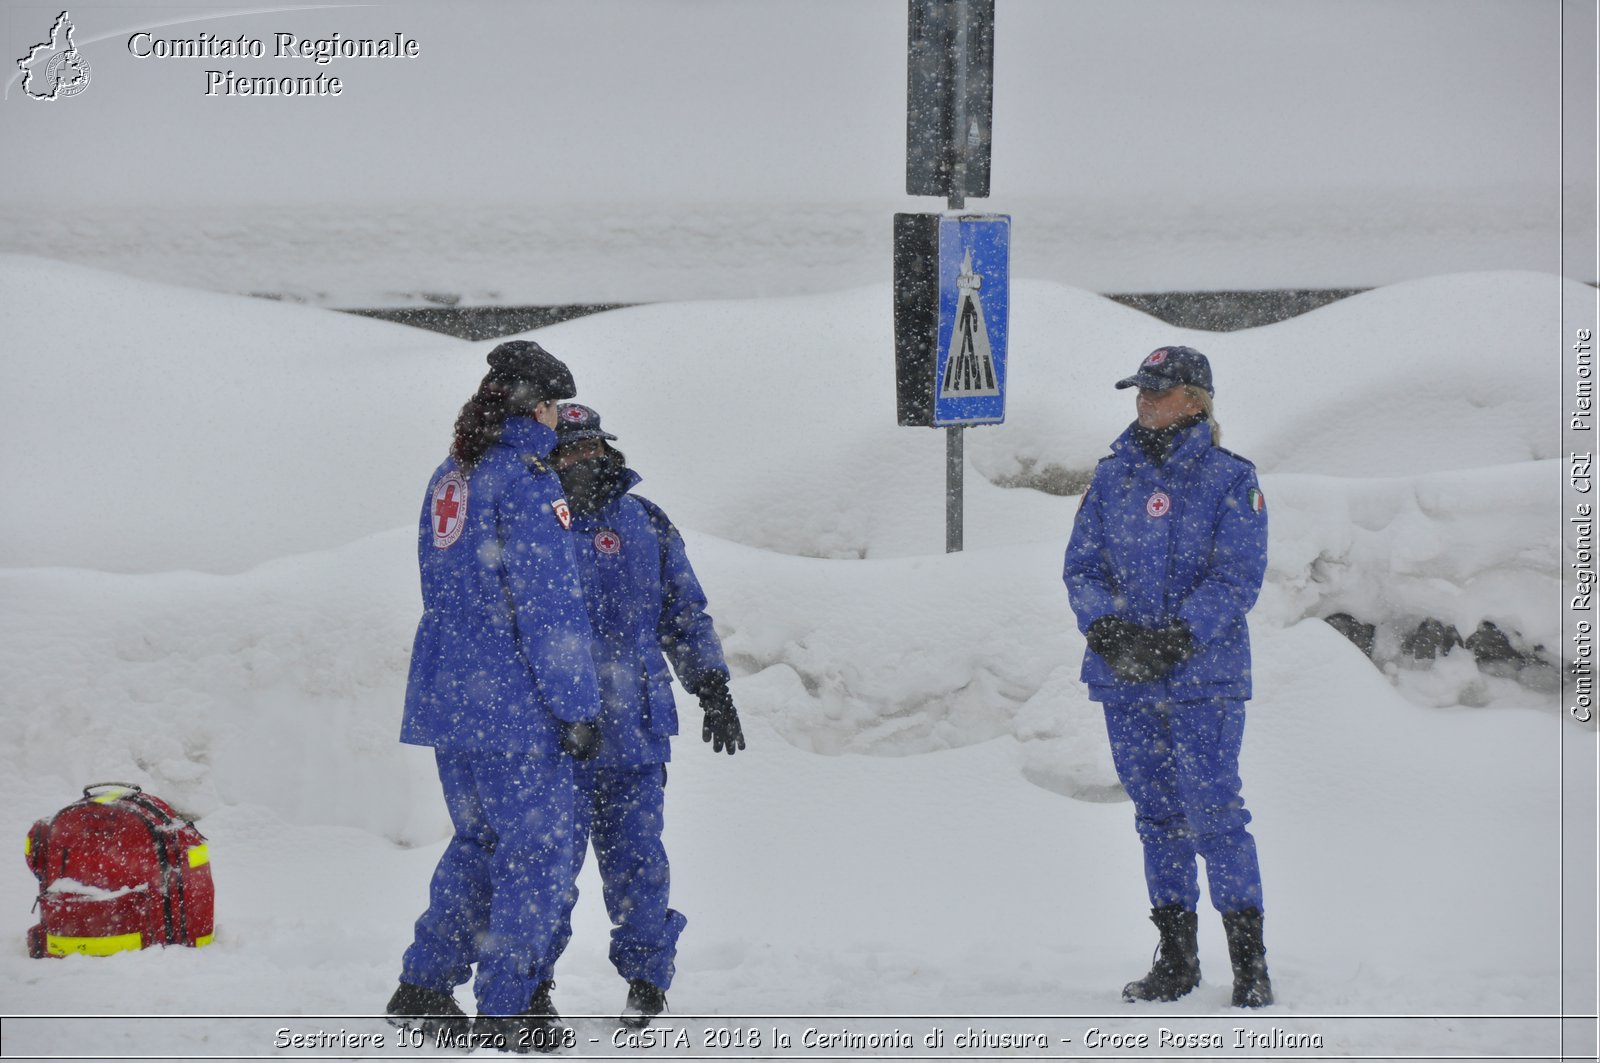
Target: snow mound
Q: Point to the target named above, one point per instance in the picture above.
(765, 422)
(127, 428)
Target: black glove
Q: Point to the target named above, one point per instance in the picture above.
(1108, 635)
(580, 741)
(1172, 645)
(721, 726)
(1139, 654)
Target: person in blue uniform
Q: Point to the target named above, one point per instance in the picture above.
(1167, 555)
(647, 609)
(503, 687)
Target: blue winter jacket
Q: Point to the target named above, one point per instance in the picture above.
(1183, 541)
(503, 650)
(646, 607)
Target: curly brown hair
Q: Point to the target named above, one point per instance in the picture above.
(481, 420)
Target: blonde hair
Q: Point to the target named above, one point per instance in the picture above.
(1203, 397)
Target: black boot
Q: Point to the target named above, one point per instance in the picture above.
(436, 1014)
(541, 1004)
(645, 1002)
(1251, 986)
(1177, 966)
(538, 1029)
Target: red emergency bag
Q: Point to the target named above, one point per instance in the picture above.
(119, 870)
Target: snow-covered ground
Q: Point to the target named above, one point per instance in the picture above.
(210, 591)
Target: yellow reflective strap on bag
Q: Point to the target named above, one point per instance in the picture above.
(199, 855)
(27, 846)
(202, 942)
(64, 946)
(108, 797)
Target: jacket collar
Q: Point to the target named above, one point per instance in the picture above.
(1189, 444)
(624, 483)
(527, 436)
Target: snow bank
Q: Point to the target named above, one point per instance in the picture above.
(1391, 429)
(155, 428)
(773, 420)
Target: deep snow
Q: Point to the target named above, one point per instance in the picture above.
(211, 591)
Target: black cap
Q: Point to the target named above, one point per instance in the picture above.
(525, 362)
(1167, 367)
(575, 421)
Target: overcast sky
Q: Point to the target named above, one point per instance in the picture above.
(559, 101)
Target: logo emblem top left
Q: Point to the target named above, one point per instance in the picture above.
(449, 509)
(55, 69)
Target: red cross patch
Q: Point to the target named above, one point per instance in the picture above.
(449, 510)
(1156, 357)
(608, 542)
(1158, 505)
(563, 514)
(575, 413)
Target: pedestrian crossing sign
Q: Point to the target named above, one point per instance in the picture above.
(952, 317)
(968, 363)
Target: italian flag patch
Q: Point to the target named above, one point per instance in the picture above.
(1258, 501)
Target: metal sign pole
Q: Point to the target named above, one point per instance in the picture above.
(954, 466)
(954, 452)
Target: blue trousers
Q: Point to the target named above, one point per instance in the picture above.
(1179, 762)
(497, 893)
(620, 810)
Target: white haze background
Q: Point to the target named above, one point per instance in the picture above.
(210, 586)
(552, 151)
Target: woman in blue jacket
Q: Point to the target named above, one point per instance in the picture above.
(647, 608)
(1167, 555)
(503, 687)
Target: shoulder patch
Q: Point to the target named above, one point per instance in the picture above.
(1257, 500)
(449, 509)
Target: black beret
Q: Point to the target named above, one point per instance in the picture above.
(525, 362)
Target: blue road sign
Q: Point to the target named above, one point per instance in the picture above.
(974, 315)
